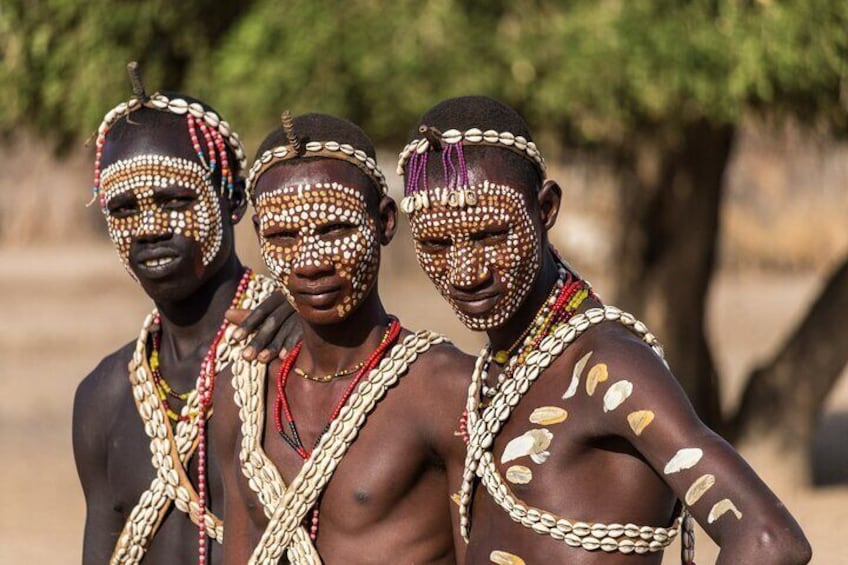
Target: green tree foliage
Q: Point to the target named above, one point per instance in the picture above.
(657, 86)
(592, 71)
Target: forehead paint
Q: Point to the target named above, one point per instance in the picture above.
(296, 225)
(144, 176)
(514, 259)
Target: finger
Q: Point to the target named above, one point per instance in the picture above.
(263, 335)
(287, 335)
(237, 316)
(258, 316)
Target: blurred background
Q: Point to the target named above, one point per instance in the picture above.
(700, 145)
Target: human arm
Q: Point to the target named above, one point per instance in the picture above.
(274, 325)
(450, 375)
(640, 401)
(91, 418)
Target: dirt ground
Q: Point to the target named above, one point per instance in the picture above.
(65, 307)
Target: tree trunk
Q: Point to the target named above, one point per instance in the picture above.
(672, 192)
(783, 398)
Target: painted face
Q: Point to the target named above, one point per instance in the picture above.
(321, 243)
(482, 258)
(158, 196)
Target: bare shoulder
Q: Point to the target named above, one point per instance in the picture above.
(98, 393)
(447, 368)
(624, 353)
(97, 403)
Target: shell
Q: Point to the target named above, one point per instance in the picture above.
(504, 558)
(701, 485)
(685, 458)
(519, 475)
(640, 420)
(617, 394)
(597, 374)
(533, 443)
(547, 415)
(575, 376)
(720, 508)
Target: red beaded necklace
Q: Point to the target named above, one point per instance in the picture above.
(205, 388)
(281, 403)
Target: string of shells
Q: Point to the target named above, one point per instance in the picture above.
(624, 538)
(332, 149)
(171, 450)
(288, 506)
(262, 475)
(178, 106)
(516, 143)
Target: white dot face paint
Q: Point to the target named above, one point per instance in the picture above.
(477, 250)
(157, 195)
(323, 232)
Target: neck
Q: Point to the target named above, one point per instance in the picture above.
(195, 320)
(504, 336)
(328, 348)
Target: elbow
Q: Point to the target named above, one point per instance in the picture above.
(787, 546)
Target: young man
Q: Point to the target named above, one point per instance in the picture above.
(581, 442)
(305, 473)
(167, 178)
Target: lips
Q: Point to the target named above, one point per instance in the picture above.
(318, 297)
(156, 262)
(475, 304)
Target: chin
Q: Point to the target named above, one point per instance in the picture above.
(481, 322)
(319, 317)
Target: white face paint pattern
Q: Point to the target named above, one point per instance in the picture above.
(453, 252)
(323, 225)
(144, 176)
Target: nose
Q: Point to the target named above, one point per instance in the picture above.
(467, 268)
(311, 262)
(151, 228)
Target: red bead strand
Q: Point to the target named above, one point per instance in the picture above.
(281, 403)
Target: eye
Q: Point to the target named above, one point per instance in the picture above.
(177, 202)
(280, 236)
(434, 244)
(338, 229)
(491, 236)
(122, 208)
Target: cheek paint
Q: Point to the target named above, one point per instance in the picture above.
(331, 231)
(514, 259)
(143, 176)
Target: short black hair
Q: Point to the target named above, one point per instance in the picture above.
(154, 118)
(483, 112)
(321, 127)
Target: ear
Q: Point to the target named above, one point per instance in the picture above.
(237, 202)
(255, 219)
(388, 219)
(549, 198)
